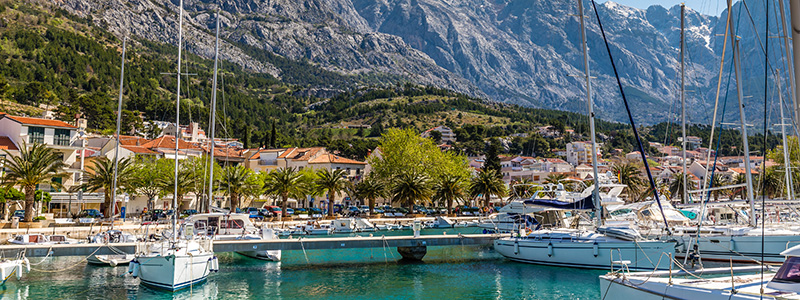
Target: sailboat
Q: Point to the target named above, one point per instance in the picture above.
(114, 236)
(580, 248)
(227, 225)
(735, 242)
(182, 259)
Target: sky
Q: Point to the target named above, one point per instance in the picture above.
(708, 7)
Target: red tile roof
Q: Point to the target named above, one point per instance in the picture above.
(168, 142)
(139, 149)
(301, 153)
(7, 144)
(257, 154)
(40, 121)
(334, 159)
(128, 140)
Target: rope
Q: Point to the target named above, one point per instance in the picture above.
(300, 239)
(70, 267)
(630, 118)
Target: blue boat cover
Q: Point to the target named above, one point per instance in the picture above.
(585, 203)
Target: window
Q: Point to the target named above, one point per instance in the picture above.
(61, 137)
(36, 135)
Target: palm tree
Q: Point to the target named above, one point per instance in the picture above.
(411, 188)
(770, 183)
(629, 174)
(742, 191)
(447, 189)
(676, 186)
(487, 183)
(370, 189)
(235, 182)
(282, 183)
(717, 181)
(35, 164)
(187, 182)
(555, 178)
(331, 181)
(101, 177)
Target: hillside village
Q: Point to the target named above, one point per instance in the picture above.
(81, 149)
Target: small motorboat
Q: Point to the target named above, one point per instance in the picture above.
(112, 236)
(41, 239)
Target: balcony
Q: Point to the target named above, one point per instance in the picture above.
(267, 162)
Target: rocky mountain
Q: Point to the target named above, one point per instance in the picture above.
(515, 51)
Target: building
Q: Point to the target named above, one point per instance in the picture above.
(692, 142)
(448, 136)
(581, 152)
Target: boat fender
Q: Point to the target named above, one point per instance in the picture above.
(550, 249)
(216, 264)
(130, 267)
(516, 247)
(595, 249)
(135, 272)
(19, 270)
(733, 244)
(485, 231)
(27, 264)
(113, 263)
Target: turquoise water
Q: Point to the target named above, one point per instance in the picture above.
(468, 272)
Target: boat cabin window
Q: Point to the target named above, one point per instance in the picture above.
(34, 239)
(200, 224)
(57, 238)
(19, 238)
(232, 224)
(789, 271)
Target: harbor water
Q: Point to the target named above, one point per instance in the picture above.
(456, 272)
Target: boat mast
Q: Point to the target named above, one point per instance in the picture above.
(786, 164)
(794, 11)
(116, 147)
(792, 83)
(684, 195)
(177, 125)
(748, 175)
(213, 120)
(595, 193)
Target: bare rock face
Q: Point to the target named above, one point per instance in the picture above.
(513, 51)
(314, 31)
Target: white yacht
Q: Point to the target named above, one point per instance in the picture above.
(708, 284)
(231, 226)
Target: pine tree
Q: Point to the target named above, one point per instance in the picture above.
(273, 134)
(492, 159)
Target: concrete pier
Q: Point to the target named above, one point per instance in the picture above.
(280, 244)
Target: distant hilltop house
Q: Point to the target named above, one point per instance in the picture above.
(692, 142)
(581, 152)
(448, 136)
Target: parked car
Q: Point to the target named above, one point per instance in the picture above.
(352, 211)
(300, 211)
(157, 214)
(188, 212)
(255, 213)
(275, 210)
(315, 212)
(90, 213)
(289, 211)
(20, 213)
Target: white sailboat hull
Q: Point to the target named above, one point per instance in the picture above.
(174, 272)
(644, 288)
(643, 255)
(743, 248)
